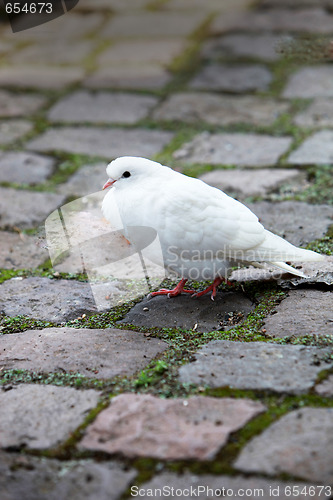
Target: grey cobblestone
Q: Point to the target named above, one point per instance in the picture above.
(26, 209)
(255, 46)
(20, 251)
(317, 149)
(237, 79)
(40, 77)
(19, 105)
(244, 150)
(259, 365)
(309, 82)
(318, 114)
(192, 107)
(102, 107)
(308, 20)
(103, 142)
(25, 168)
(299, 443)
(41, 423)
(35, 478)
(94, 353)
(12, 130)
(153, 24)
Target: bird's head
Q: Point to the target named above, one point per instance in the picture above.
(125, 169)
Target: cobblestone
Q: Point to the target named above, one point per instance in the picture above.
(286, 219)
(19, 105)
(255, 46)
(146, 76)
(26, 209)
(237, 79)
(153, 24)
(48, 417)
(246, 150)
(12, 130)
(57, 53)
(93, 353)
(228, 309)
(309, 82)
(168, 429)
(325, 388)
(248, 182)
(299, 443)
(88, 179)
(318, 114)
(308, 20)
(102, 107)
(222, 363)
(317, 149)
(135, 52)
(20, 251)
(300, 309)
(25, 168)
(46, 299)
(192, 107)
(226, 485)
(35, 478)
(108, 143)
(39, 77)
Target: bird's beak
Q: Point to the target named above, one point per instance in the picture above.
(108, 183)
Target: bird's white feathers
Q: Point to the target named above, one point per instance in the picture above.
(195, 220)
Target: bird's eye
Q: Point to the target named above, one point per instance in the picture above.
(126, 174)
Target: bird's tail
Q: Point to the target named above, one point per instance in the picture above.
(289, 269)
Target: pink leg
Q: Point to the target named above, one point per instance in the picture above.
(174, 292)
(212, 288)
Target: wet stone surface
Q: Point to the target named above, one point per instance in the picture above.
(40, 423)
(301, 308)
(246, 150)
(35, 478)
(236, 79)
(227, 310)
(261, 366)
(93, 353)
(144, 425)
(300, 443)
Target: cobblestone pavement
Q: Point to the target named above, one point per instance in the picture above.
(156, 398)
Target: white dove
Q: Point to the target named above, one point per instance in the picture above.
(203, 232)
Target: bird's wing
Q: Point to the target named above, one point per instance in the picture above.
(198, 216)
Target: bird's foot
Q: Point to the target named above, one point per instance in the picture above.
(174, 292)
(212, 288)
